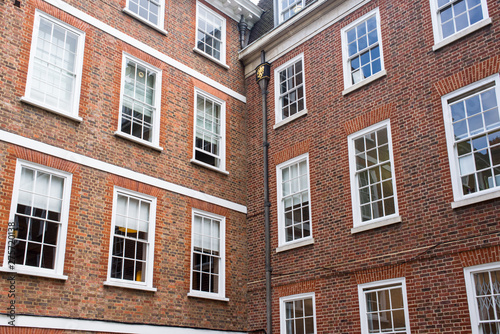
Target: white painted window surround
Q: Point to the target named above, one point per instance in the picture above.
(131, 253)
(290, 91)
(454, 19)
(373, 182)
(383, 307)
(40, 213)
(210, 34)
(208, 256)
(472, 127)
(483, 290)
(286, 9)
(149, 12)
(209, 142)
(55, 66)
(362, 52)
(298, 314)
(140, 102)
(294, 207)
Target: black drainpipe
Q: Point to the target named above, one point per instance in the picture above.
(242, 28)
(263, 73)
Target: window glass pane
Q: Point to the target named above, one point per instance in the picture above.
(475, 139)
(375, 197)
(131, 225)
(37, 217)
(363, 50)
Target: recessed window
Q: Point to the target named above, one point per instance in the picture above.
(208, 255)
(288, 8)
(40, 206)
(453, 16)
(483, 293)
(298, 314)
(373, 186)
(55, 69)
(290, 89)
(294, 214)
(140, 101)
(209, 131)
(383, 307)
(362, 49)
(472, 123)
(148, 10)
(211, 33)
(132, 238)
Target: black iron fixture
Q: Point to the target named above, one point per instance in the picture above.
(263, 75)
(242, 28)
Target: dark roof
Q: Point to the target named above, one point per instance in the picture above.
(266, 22)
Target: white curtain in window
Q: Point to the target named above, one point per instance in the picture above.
(132, 213)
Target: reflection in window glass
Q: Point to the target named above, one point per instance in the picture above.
(456, 15)
(476, 132)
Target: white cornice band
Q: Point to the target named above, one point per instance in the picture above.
(116, 170)
(143, 47)
(236, 8)
(101, 326)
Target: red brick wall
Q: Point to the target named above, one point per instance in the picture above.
(83, 295)
(430, 246)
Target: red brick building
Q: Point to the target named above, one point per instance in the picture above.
(132, 176)
(123, 167)
(384, 166)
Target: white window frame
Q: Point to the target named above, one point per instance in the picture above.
(57, 272)
(222, 60)
(73, 112)
(154, 144)
(277, 100)
(471, 291)
(278, 17)
(358, 224)
(222, 149)
(148, 281)
(161, 16)
(221, 295)
(381, 284)
(292, 298)
(348, 85)
(479, 196)
(282, 243)
(439, 41)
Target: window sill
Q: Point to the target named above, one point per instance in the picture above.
(207, 296)
(215, 60)
(377, 224)
(290, 119)
(360, 84)
(297, 244)
(196, 162)
(138, 141)
(462, 33)
(129, 286)
(45, 107)
(22, 271)
(476, 199)
(146, 22)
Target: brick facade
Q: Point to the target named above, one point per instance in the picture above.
(99, 161)
(433, 243)
(427, 247)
